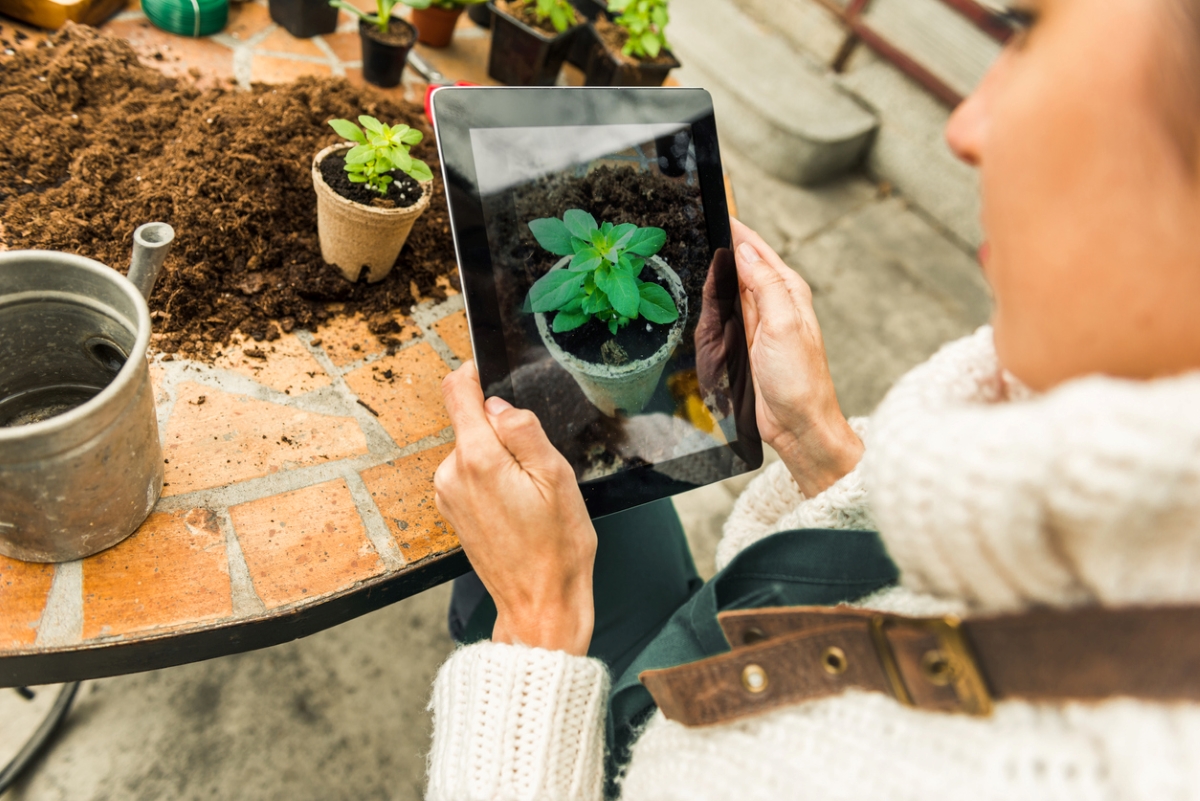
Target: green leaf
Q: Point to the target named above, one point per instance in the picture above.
(606, 228)
(574, 306)
(622, 291)
(658, 16)
(585, 260)
(399, 156)
(356, 178)
(554, 290)
(383, 164)
(360, 154)
(638, 264)
(612, 326)
(348, 130)
(622, 234)
(412, 137)
(656, 304)
(580, 245)
(596, 303)
(419, 171)
(651, 44)
(418, 4)
(580, 223)
(552, 234)
(647, 241)
(371, 124)
(567, 321)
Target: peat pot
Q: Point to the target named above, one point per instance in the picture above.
(384, 55)
(354, 236)
(627, 387)
(435, 26)
(525, 56)
(80, 462)
(606, 68)
(304, 18)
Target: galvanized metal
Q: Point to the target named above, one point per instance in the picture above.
(81, 465)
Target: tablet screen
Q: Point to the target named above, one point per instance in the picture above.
(600, 254)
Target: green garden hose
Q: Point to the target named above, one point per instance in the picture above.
(187, 17)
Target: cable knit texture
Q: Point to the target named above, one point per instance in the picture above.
(990, 499)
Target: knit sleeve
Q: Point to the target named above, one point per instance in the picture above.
(512, 723)
(773, 503)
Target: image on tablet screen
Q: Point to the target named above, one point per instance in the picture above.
(601, 256)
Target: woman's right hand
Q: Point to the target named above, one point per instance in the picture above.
(795, 402)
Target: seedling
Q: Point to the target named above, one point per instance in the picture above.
(383, 12)
(380, 149)
(560, 13)
(602, 280)
(646, 22)
(447, 5)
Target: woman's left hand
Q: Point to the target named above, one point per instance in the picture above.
(514, 503)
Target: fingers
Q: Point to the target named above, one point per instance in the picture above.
(463, 397)
(521, 433)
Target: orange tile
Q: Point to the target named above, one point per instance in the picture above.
(175, 55)
(284, 365)
(246, 19)
(348, 339)
(280, 41)
(172, 571)
(454, 331)
(304, 544)
(346, 46)
(226, 438)
(405, 391)
(268, 69)
(24, 588)
(403, 491)
(18, 36)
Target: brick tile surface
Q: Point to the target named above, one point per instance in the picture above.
(268, 69)
(304, 544)
(347, 339)
(403, 491)
(24, 588)
(247, 19)
(284, 365)
(280, 41)
(405, 390)
(230, 438)
(172, 571)
(346, 46)
(457, 335)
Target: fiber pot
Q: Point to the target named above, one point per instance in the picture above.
(80, 462)
(354, 236)
(606, 68)
(304, 18)
(435, 26)
(383, 56)
(627, 387)
(525, 56)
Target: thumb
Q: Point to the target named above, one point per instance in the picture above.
(521, 433)
(771, 302)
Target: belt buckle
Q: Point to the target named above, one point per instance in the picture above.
(952, 663)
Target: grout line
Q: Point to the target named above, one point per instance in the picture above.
(62, 620)
(297, 57)
(335, 63)
(245, 598)
(376, 527)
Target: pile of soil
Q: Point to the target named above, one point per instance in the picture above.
(93, 143)
(401, 193)
(526, 12)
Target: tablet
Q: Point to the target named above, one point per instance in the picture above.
(592, 234)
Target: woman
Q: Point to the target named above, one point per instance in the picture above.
(1050, 460)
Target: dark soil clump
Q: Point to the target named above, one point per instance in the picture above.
(526, 12)
(402, 192)
(93, 143)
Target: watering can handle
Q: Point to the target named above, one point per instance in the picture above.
(150, 245)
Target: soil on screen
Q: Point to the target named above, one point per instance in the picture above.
(93, 143)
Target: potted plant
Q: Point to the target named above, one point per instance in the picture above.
(531, 39)
(614, 324)
(386, 41)
(304, 18)
(370, 192)
(630, 50)
(435, 19)
(582, 47)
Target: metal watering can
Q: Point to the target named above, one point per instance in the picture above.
(80, 462)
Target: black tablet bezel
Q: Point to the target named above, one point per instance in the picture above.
(458, 110)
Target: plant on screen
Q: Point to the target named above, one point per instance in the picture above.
(378, 149)
(601, 281)
(646, 22)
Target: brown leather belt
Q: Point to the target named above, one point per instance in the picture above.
(788, 655)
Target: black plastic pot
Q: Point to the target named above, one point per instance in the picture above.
(481, 15)
(608, 69)
(524, 56)
(590, 9)
(304, 18)
(383, 62)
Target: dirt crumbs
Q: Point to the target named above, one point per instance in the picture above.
(93, 143)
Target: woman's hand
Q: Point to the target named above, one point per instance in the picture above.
(513, 501)
(797, 408)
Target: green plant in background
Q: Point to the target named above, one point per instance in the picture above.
(448, 5)
(560, 13)
(378, 150)
(601, 280)
(646, 21)
(383, 12)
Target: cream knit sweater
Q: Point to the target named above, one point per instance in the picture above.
(989, 499)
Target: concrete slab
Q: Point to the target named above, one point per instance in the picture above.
(811, 28)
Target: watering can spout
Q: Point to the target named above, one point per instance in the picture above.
(150, 245)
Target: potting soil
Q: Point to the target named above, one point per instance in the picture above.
(93, 143)
(614, 37)
(401, 193)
